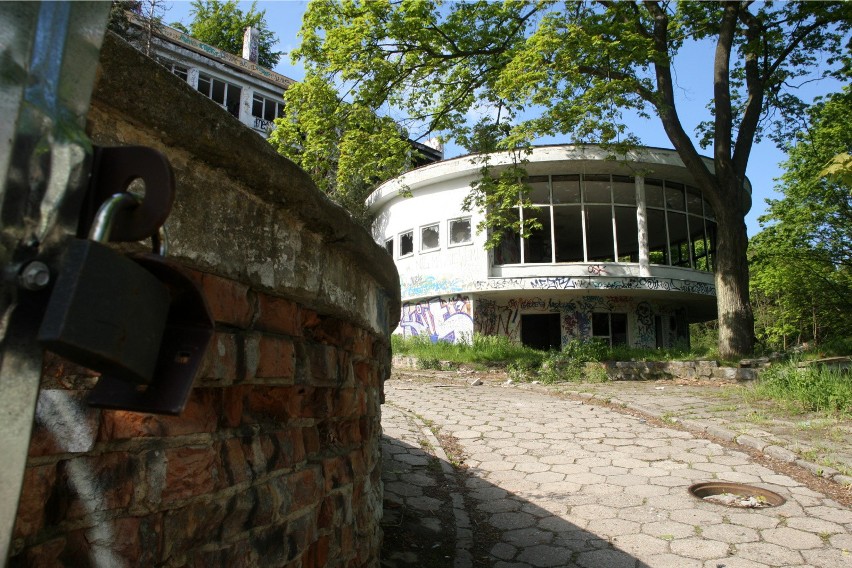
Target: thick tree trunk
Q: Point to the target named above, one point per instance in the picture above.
(736, 320)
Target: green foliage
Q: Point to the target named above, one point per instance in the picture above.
(585, 66)
(344, 147)
(812, 388)
(222, 25)
(569, 364)
(481, 349)
(801, 262)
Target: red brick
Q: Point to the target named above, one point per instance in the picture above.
(364, 372)
(317, 554)
(279, 316)
(96, 483)
(345, 403)
(362, 345)
(277, 358)
(291, 447)
(45, 555)
(276, 404)
(234, 461)
(39, 482)
(199, 416)
(221, 362)
(190, 472)
(310, 319)
(312, 440)
(232, 405)
(336, 472)
(229, 301)
(304, 488)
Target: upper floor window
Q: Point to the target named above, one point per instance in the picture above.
(460, 231)
(265, 108)
(389, 246)
(406, 243)
(593, 218)
(430, 238)
(225, 94)
(178, 70)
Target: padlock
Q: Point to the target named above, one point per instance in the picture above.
(106, 312)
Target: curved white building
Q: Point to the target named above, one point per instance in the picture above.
(625, 253)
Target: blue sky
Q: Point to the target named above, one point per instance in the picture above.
(692, 70)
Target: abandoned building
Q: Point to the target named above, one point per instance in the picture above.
(625, 252)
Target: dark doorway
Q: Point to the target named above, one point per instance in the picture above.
(541, 331)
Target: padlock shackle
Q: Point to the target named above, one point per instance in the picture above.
(102, 224)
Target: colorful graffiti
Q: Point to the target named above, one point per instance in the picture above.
(420, 285)
(438, 318)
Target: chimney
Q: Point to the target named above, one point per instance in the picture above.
(250, 41)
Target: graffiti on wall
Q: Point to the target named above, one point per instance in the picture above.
(645, 331)
(438, 318)
(630, 283)
(493, 318)
(420, 285)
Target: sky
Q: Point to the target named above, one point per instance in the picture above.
(693, 73)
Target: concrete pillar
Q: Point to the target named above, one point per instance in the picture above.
(642, 224)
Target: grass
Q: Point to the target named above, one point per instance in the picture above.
(812, 389)
(483, 350)
(791, 389)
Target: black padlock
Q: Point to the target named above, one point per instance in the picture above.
(106, 312)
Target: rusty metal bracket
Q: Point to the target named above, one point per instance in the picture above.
(113, 170)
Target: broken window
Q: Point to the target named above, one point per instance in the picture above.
(389, 246)
(460, 231)
(406, 243)
(610, 327)
(223, 93)
(266, 108)
(429, 238)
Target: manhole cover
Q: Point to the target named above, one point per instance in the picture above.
(736, 495)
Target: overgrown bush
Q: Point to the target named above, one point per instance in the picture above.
(814, 388)
(569, 364)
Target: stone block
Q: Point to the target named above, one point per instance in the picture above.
(190, 471)
(277, 358)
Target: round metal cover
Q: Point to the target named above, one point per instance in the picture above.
(736, 495)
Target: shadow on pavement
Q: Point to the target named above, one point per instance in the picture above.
(436, 516)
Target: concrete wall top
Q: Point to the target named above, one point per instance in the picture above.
(242, 210)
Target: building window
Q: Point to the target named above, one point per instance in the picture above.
(406, 243)
(460, 231)
(178, 70)
(610, 327)
(389, 246)
(226, 94)
(430, 238)
(593, 218)
(265, 110)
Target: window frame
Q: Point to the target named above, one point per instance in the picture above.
(400, 236)
(469, 241)
(437, 247)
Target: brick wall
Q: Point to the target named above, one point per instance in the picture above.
(275, 460)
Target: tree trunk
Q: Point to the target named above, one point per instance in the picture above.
(736, 320)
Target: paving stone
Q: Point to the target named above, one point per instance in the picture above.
(608, 558)
(512, 520)
(527, 537)
(544, 556)
(730, 534)
(698, 548)
(792, 538)
(771, 554)
(641, 545)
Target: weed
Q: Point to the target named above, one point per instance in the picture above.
(812, 388)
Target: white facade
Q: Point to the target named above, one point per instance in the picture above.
(625, 254)
(250, 92)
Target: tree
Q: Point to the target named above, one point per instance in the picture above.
(802, 259)
(222, 25)
(583, 65)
